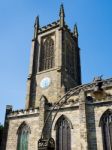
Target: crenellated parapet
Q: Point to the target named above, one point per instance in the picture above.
(53, 25)
(23, 113)
(70, 32)
(48, 27)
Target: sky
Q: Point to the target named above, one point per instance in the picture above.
(94, 20)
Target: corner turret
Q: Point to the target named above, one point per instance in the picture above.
(75, 31)
(36, 27)
(62, 16)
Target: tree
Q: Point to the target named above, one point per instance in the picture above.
(1, 133)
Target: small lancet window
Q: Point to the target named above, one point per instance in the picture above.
(106, 125)
(47, 55)
(23, 134)
(63, 134)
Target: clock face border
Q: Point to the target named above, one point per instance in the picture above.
(45, 82)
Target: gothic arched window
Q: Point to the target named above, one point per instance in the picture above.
(23, 133)
(47, 54)
(63, 134)
(106, 125)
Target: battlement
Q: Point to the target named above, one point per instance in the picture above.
(53, 25)
(23, 112)
(49, 27)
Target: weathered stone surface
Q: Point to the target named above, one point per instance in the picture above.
(82, 105)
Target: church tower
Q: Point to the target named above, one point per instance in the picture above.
(81, 119)
(54, 61)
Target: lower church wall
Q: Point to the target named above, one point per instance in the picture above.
(74, 117)
(94, 111)
(33, 122)
(98, 114)
(14, 124)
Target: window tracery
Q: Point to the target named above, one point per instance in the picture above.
(23, 134)
(106, 124)
(63, 134)
(47, 55)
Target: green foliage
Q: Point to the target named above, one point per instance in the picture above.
(1, 133)
(1, 126)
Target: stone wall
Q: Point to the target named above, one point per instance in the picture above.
(83, 111)
(33, 123)
(73, 115)
(98, 113)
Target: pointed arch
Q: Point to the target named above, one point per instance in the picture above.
(104, 115)
(23, 124)
(47, 54)
(63, 133)
(43, 100)
(23, 134)
(106, 126)
(63, 117)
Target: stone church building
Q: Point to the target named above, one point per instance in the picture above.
(61, 113)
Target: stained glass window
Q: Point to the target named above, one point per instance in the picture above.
(23, 133)
(47, 54)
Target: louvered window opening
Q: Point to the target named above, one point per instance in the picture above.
(70, 60)
(47, 55)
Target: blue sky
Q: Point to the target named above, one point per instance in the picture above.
(94, 20)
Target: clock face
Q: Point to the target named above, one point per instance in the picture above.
(45, 82)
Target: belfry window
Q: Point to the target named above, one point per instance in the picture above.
(106, 124)
(70, 60)
(23, 134)
(63, 134)
(47, 54)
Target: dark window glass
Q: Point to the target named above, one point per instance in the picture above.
(47, 55)
(63, 134)
(106, 124)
